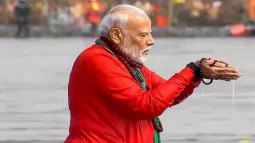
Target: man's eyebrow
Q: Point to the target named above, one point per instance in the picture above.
(143, 32)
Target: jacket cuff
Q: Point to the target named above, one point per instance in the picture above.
(196, 83)
(187, 74)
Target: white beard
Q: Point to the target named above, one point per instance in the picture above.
(133, 52)
(143, 58)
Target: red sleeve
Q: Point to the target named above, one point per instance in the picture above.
(157, 80)
(154, 78)
(186, 92)
(124, 94)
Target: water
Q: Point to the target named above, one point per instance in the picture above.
(35, 72)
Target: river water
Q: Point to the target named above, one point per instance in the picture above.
(35, 72)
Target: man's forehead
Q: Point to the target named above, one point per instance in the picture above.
(139, 23)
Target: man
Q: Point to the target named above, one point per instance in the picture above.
(22, 12)
(113, 97)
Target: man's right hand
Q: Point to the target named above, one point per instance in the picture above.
(219, 71)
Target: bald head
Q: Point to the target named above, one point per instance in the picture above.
(125, 8)
(118, 17)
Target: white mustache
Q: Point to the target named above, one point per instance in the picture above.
(148, 48)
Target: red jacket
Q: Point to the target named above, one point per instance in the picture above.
(108, 106)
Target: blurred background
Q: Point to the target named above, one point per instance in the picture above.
(35, 71)
(65, 16)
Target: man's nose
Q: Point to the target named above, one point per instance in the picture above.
(150, 41)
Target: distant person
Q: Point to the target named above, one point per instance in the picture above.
(22, 13)
(77, 13)
(93, 16)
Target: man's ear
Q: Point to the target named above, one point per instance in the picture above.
(116, 35)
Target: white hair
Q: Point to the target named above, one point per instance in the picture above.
(117, 17)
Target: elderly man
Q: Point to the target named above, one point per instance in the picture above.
(113, 97)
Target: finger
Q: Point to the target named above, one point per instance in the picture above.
(226, 70)
(214, 62)
(209, 62)
(221, 61)
(218, 64)
(233, 70)
(229, 76)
